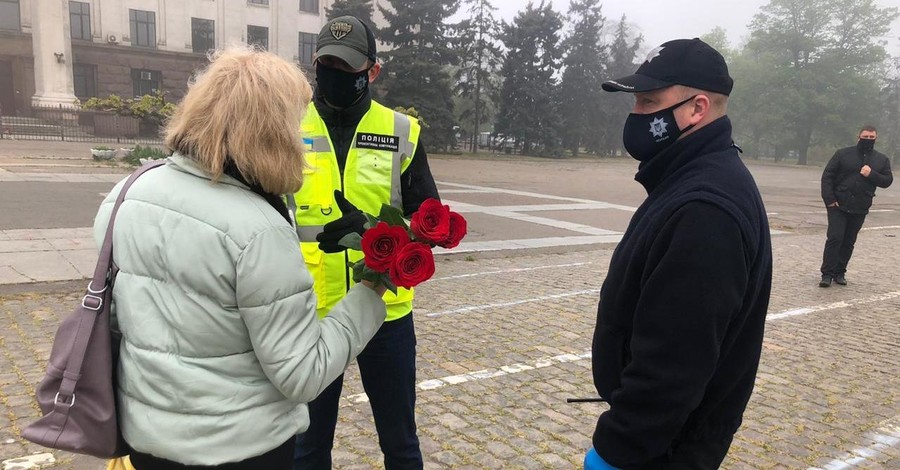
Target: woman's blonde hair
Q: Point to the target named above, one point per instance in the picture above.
(247, 106)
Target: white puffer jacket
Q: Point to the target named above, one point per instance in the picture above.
(221, 344)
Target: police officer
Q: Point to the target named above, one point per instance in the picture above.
(682, 310)
(361, 155)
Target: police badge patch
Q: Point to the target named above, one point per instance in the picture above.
(378, 142)
(340, 29)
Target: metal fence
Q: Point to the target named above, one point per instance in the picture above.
(79, 125)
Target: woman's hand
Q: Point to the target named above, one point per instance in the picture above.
(380, 289)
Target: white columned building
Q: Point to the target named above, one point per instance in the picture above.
(52, 50)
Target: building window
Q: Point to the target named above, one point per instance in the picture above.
(311, 6)
(80, 20)
(143, 28)
(259, 36)
(9, 15)
(307, 47)
(258, 2)
(146, 82)
(203, 36)
(85, 78)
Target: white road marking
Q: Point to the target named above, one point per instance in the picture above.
(526, 243)
(887, 227)
(482, 374)
(538, 195)
(823, 211)
(511, 304)
(881, 439)
(507, 271)
(432, 384)
(820, 308)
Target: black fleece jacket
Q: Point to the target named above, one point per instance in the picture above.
(843, 183)
(682, 310)
(416, 183)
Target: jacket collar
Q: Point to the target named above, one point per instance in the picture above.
(344, 117)
(188, 165)
(714, 137)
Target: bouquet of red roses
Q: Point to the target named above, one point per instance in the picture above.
(399, 255)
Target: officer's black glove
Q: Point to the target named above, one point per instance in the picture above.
(352, 220)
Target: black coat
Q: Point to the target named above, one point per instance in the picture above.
(682, 310)
(842, 182)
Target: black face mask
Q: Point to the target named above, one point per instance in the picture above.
(646, 135)
(865, 145)
(341, 89)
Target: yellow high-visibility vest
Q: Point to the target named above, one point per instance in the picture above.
(382, 148)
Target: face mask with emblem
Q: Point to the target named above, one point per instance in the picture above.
(339, 88)
(646, 135)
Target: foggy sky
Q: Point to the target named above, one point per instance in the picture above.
(662, 20)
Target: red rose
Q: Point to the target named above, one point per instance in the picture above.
(431, 223)
(381, 243)
(457, 231)
(413, 265)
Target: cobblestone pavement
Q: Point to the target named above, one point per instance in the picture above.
(503, 340)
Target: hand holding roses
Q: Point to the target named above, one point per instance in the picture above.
(396, 254)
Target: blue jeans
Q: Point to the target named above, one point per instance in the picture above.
(387, 366)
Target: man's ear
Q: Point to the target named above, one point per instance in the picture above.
(374, 72)
(701, 109)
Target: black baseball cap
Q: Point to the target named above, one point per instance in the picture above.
(688, 62)
(348, 39)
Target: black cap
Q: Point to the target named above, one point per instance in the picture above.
(688, 62)
(348, 39)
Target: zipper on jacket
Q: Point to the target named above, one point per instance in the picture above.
(341, 169)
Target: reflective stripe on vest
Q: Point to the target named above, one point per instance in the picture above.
(371, 178)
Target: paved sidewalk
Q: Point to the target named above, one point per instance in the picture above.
(503, 342)
(504, 337)
(46, 255)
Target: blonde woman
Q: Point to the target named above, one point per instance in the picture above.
(222, 348)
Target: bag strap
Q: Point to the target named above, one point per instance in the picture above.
(92, 304)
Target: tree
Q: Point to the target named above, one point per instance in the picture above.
(827, 62)
(480, 59)
(416, 67)
(581, 109)
(622, 55)
(527, 97)
(717, 38)
(361, 9)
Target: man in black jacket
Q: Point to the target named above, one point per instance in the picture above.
(848, 186)
(683, 307)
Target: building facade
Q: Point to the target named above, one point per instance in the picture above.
(54, 52)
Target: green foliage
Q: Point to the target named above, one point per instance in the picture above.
(415, 72)
(413, 113)
(153, 107)
(361, 9)
(528, 103)
(580, 91)
(351, 240)
(144, 152)
(101, 147)
(622, 57)
(811, 72)
(393, 216)
(718, 39)
(477, 76)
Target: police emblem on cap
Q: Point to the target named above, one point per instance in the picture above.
(654, 53)
(340, 29)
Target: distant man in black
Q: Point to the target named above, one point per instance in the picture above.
(848, 186)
